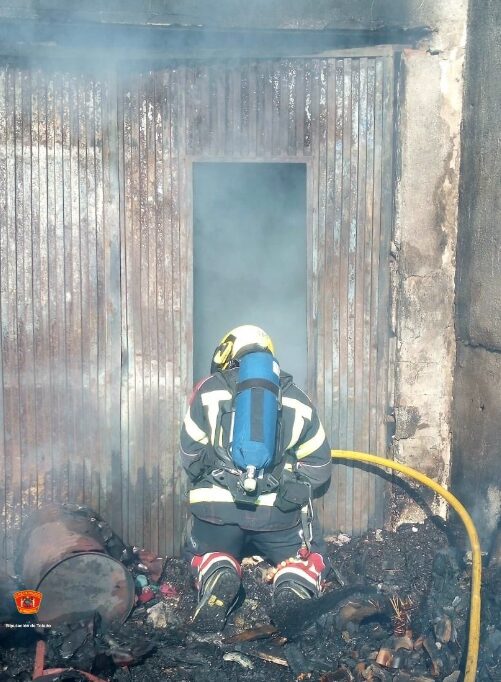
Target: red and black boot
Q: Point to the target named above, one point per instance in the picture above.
(218, 580)
(296, 580)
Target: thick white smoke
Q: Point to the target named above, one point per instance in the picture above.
(250, 259)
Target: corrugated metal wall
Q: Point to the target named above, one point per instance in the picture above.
(96, 281)
(336, 115)
(157, 308)
(59, 299)
(351, 251)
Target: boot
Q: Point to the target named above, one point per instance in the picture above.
(218, 579)
(296, 580)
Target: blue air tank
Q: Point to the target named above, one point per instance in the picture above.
(256, 411)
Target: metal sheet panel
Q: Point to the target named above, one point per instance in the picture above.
(354, 189)
(96, 272)
(156, 304)
(59, 238)
(333, 114)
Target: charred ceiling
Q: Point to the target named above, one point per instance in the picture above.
(29, 37)
(232, 14)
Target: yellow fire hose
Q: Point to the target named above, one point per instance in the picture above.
(474, 630)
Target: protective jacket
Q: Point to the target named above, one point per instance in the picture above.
(302, 456)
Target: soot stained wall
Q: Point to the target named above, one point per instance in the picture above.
(476, 473)
(259, 14)
(423, 251)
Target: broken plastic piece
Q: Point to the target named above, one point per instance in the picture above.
(168, 590)
(241, 659)
(141, 581)
(146, 595)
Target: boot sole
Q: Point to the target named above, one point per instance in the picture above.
(286, 605)
(213, 610)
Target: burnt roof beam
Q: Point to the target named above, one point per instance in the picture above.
(129, 42)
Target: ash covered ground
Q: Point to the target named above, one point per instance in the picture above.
(400, 617)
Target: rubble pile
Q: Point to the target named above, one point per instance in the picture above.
(395, 609)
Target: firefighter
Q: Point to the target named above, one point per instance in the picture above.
(264, 508)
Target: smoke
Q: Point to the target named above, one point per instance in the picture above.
(82, 34)
(250, 258)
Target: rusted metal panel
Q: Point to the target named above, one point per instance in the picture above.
(112, 297)
(96, 272)
(55, 294)
(354, 282)
(336, 114)
(3, 300)
(155, 297)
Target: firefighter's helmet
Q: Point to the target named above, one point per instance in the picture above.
(236, 343)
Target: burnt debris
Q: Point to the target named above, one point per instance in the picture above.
(401, 616)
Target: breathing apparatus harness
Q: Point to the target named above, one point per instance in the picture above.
(254, 462)
(290, 494)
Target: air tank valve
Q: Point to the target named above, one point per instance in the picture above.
(250, 482)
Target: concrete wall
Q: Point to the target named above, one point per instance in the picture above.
(477, 391)
(424, 250)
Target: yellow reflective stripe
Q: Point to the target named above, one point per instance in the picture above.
(214, 494)
(301, 412)
(211, 401)
(266, 500)
(218, 494)
(194, 431)
(311, 445)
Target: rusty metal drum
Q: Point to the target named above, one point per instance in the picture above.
(62, 553)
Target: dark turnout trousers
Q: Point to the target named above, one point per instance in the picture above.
(274, 545)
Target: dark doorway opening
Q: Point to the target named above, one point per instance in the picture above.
(250, 262)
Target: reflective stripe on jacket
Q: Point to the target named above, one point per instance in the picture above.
(206, 431)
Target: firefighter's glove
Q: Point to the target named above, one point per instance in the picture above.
(293, 492)
(307, 572)
(203, 465)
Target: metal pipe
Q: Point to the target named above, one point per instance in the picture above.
(476, 577)
(40, 671)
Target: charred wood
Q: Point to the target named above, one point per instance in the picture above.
(261, 632)
(297, 619)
